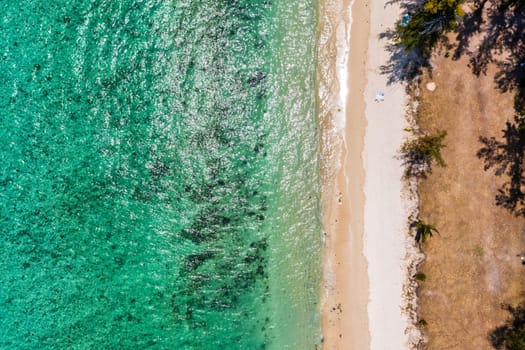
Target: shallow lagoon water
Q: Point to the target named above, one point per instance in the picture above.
(159, 185)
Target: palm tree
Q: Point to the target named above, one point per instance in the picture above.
(424, 230)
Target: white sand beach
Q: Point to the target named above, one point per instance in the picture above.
(364, 213)
(385, 214)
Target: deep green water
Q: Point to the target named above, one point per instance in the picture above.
(159, 179)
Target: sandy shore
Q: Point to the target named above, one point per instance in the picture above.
(364, 215)
(344, 316)
(386, 213)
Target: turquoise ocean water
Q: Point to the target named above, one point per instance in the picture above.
(159, 183)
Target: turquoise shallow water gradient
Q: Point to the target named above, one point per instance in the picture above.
(159, 179)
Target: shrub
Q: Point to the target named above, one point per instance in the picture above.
(424, 230)
(420, 276)
(418, 155)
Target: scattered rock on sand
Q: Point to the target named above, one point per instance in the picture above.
(431, 86)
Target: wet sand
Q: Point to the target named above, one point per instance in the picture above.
(345, 319)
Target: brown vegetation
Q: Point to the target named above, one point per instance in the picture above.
(471, 268)
(478, 200)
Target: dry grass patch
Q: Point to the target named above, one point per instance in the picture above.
(471, 267)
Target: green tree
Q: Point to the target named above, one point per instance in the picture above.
(428, 21)
(424, 230)
(418, 155)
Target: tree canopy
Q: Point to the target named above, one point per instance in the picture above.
(428, 21)
(418, 155)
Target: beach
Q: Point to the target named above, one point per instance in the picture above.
(364, 214)
(226, 175)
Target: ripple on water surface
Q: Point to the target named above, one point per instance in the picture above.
(159, 180)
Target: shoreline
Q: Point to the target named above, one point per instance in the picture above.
(365, 210)
(345, 295)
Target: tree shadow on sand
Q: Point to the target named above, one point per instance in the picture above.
(402, 65)
(506, 157)
(497, 25)
(511, 335)
(501, 25)
(420, 29)
(497, 28)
